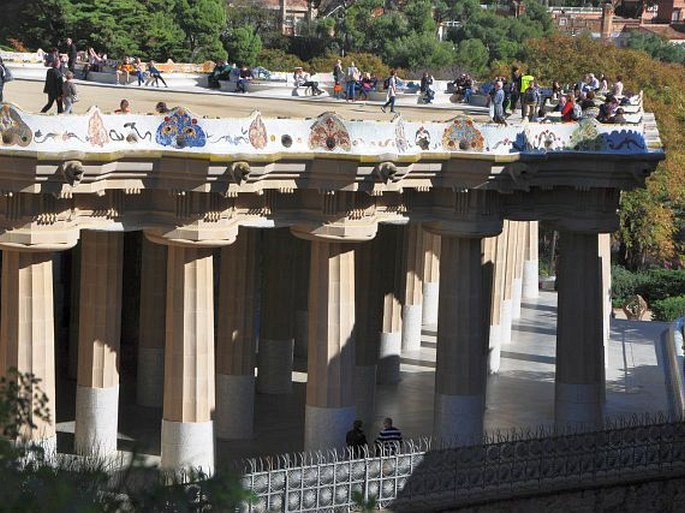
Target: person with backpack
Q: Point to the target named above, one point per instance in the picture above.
(5, 76)
(530, 100)
(391, 87)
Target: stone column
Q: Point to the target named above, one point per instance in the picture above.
(580, 349)
(97, 391)
(531, 267)
(519, 231)
(74, 302)
(498, 245)
(235, 357)
(431, 274)
(605, 258)
(413, 288)
(462, 349)
(507, 310)
(187, 429)
(330, 410)
(27, 332)
(150, 390)
(300, 288)
(391, 328)
(275, 358)
(368, 318)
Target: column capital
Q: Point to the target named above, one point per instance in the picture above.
(34, 238)
(192, 236)
(469, 213)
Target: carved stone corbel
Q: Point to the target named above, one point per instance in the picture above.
(72, 172)
(239, 171)
(386, 172)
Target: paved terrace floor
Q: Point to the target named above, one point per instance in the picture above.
(520, 396)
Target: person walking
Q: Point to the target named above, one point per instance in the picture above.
(53, 87)
(69, 93)
(72, 54)
(356, 439)
(389, 438)
(391, 86)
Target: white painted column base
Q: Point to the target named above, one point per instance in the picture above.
(430, 303)
(389, 358)
(495, 349)
(275, 364)
(411, 327)
(325, 428)
(516, 292)
(97, 415)
(459, 418)
(531, 283)
(578, 406)
(365, 393)
(47, 444)
(188, 445)
(234, 417)
(150, 386)
(301, 333)
(506, 320)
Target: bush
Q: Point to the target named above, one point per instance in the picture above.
(363, 61)
(624, 284)
(669, 309)
(661, 284)
(278, 60)
(243, 46)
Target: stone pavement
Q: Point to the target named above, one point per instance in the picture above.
(521, 395)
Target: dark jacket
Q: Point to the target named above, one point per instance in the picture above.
(53, 83)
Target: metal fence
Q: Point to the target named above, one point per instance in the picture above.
(424, 477)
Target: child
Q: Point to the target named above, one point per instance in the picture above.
(69, 95)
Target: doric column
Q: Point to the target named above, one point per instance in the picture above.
(507, 311)
(275, 358)
(368, 317)
(413, 287)
(580, 349)
(97, 391)
(74, 302)
(390, 346)
(330, 407)
(235, 357)
(187, 430)
(301, 292)
(531, 267)
(498, 246)
(605, 257)
(431, 268)
(462, 346)
(27, 338)
(150, 390)
(519, 230)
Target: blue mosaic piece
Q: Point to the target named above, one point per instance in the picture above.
(180, 130)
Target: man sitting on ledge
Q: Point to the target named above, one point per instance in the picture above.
(243, 78)
(302, 78)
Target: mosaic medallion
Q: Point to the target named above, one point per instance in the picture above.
(546, 140)
(462, 135)
(180, 130)
(422, 138)
(257, 132)
(13, 130)
(586, 137)
(329, 133)
(97, 134)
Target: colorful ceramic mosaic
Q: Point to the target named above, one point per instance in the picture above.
(13, 130)
(462, 135)
(422, 138)
(180, 130)
(625, 140)
(547, 140)
(97, 133)
(329, 133)
(400, 137)
(257, 132)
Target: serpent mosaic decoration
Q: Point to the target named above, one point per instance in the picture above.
(328, 132)
(462, 135)
(13, 130)
(180, 130)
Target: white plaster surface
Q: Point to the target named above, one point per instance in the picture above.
(531, 287)
(389, 358)
(495, 349)
(365, 392)
(325, 428)
(578, 405)
(411, 327)
(187, 445)
(301, 333)
(234, 416)
(150, 387)
(459, 418)
(275, 364)
(97, 415)
(516, 291)
(506, 321)
(430, 303)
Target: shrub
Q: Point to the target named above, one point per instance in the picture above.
(624, 284)
(661, 284)
(363, 61)
(278, 60)
(668, 309)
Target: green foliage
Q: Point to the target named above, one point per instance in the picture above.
(365, 506)
(243, 45)
(38, 23)
(660, 284)
(657, 47)
(274, 59)
(669, 309)
(472, 56)
(202, 21)
(419, 51)
(624, 284)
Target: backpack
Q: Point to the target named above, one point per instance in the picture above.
(6, 74)
(386, 83)
(530, 96)
(577, 112)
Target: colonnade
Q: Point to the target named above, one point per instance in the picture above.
(365, 305)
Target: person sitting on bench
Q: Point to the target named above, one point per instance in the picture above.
(302, 78)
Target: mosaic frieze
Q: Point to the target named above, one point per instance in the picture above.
(329, 133)
(181, 130)
(462, 135)
(13, 129)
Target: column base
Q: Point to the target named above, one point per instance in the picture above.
(301, 333)
(234, 418)
(150, 385)
(578, 406)
(325, 428)
(516, 291)
(188, 445)
(411, 327)
(429, 314)
(97, 415)
(275, 364)
(459, 418)
(389, 358)
(495, 349)
(365, 393)
(506, 319)
(530, 287)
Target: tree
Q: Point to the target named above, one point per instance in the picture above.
(39, 23)
(419, 51)
(243, 45)
(203, 22)
(472, 55)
